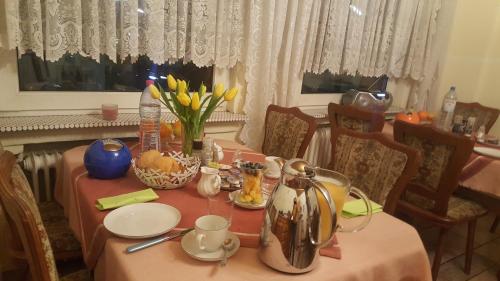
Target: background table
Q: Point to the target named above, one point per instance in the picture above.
(388, 249)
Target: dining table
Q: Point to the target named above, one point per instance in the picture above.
(387, 249)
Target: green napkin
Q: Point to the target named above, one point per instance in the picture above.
(126, 199)
(356, 208)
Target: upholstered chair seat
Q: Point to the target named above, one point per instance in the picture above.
(459, 209)
(81, 275)
(61, 237)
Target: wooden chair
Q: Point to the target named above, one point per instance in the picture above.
(429, 195)
(494, 225)
(354, 118)
(30, 240)
(486, 116)
(377, 165)
(288, 132)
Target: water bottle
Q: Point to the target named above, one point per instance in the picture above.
(447, 109)
(149, 127)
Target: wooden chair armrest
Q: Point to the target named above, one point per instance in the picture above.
(415, 211)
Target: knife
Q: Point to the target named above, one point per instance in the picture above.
(144, 245)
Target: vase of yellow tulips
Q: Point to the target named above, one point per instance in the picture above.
(192, 109)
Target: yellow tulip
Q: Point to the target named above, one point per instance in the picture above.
(182, 86)
(229, 96)
(183, 98)
(172, 84)
(218, 90)
(195, 101)
(155, 94)
(203, 89)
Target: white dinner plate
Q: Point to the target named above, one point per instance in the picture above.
(235, 198)
(487, 151)
(142, 220)
(190, 246)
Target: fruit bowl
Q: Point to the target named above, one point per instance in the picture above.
(160, 180)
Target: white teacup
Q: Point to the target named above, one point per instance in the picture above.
(211, 231)
(272, 167)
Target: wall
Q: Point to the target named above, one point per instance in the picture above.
(489, 84)
(472, 57)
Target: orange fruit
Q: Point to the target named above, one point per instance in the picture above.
(177, 128)
(423, 115)
(410, 117)
(166, 129)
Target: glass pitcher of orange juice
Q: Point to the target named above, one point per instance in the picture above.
(339, 187)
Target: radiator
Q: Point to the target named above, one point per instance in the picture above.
(41, 161)
(319, 150)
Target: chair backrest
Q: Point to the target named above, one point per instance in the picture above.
(377, 165)
(23, 214)
(443, 157)
(355, 118)
(288, 132)
(486, 116)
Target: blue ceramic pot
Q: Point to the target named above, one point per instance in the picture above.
(107, 159)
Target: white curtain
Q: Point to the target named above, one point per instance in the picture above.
(372, 37)
(205, 32)
(369, 37)
(273, 42)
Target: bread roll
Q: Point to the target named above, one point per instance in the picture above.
(147, 158)
(165, 164)
(175, 167)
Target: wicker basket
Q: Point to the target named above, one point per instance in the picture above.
(160, 180)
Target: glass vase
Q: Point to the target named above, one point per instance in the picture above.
(189, 134)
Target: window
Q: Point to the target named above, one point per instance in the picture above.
(327, 82)
(74, 72)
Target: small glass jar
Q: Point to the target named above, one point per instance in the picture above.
(207, 153)
(109, 111)
(197, 149)
(253, 174)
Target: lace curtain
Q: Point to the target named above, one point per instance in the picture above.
(370, 37)
(204, 32)
(270, 43)
(373, 37)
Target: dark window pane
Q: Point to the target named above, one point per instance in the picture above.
(79, 73)
(327, 82)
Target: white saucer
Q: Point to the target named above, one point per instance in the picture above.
(142, 220)
(487, 151)
(273, 176)
(224, 167)
(236, 199)
(190, 246)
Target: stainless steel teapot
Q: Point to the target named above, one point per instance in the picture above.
(291, 234)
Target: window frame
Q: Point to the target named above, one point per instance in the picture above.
(32, 103)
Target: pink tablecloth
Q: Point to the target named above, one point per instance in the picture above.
(78, 193)
(387, 250)
(482, 174)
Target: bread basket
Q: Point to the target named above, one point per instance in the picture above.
(160, 180)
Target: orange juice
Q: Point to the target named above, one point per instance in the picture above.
(337, 193)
